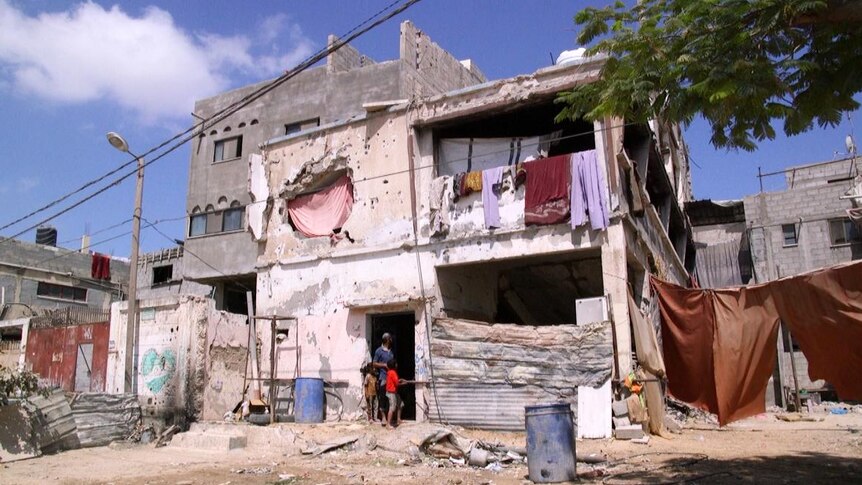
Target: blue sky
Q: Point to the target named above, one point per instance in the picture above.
(72, 71)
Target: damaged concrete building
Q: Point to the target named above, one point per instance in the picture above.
(414, 219)
(218, 195)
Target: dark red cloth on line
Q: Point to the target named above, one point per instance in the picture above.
(100, 267)
(720, 345)
(547, 197)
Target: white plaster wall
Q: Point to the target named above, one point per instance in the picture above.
(175, 337)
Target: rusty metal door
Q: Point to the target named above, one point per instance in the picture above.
(74, 358)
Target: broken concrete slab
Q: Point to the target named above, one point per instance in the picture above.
(315, 450)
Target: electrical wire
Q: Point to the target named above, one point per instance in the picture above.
(205, 262)
(222, 114)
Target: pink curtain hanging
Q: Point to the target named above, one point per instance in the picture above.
(318, 214)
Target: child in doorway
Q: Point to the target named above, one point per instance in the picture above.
(392, 383)
(370, 391)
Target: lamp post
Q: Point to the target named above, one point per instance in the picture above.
(131, 381)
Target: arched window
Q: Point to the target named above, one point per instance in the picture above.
(232, 220)
(197, 223)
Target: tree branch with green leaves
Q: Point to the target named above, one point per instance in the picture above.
(740, 64)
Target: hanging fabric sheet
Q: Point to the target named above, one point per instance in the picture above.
(492, 179)
(546, 200)
(720, 345)
(100, 267)
(318, 214)
(438, 206)
(588, 192)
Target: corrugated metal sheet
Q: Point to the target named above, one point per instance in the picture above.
(104, 418)
(55, 426)
(487, 406)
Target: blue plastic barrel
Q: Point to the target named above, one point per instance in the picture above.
(308, 400)
(550, 443)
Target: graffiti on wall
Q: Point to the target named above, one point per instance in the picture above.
(158, 368)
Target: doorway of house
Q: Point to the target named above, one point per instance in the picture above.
(402, 327)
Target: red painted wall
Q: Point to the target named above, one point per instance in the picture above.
(53, 353)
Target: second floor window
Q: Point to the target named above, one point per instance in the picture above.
(232, 219)
(789, 233)
(198, 225)
(843, 231)
(228, 149)
(61, 292)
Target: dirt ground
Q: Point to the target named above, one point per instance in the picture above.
(759, 450)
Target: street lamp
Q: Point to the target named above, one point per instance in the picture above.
(131, 381)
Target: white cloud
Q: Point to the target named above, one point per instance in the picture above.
(146, 64)
(26, 184)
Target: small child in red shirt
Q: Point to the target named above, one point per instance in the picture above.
(392, 383)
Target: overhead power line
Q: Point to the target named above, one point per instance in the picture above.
(219, 116)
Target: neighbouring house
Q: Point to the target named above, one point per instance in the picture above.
(415, 219)
(160, 274)
(55, 306)
(801, 228)
(218, 195)
(723, 255)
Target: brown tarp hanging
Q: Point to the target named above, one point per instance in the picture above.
(720, 345)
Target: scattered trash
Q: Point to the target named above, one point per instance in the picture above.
(838, 410)
(794, 417)
(261, 470)
(592, 458)
(286, 477)
(444, 444)
(494, 467)
(478, 457)
(457, 461)
(166, 435)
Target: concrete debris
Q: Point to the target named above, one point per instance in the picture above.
(167, 435)
(260, 470)
(672, 425)
(642, 441)
(794, 417)
(316, 450)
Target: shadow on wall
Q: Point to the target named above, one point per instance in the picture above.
(806, 467)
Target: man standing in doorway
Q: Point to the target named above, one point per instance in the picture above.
(382, 356)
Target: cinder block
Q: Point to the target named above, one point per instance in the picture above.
(620, 422)
(631, 432)
(620, 408)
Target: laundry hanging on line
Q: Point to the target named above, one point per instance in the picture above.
(547, 195)
(100, 267)
(588, 198)
(492, 179)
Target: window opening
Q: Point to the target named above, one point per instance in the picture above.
(228, 149)
(791, 238)
(232, 218)
(163, 274)
(296, 127)
(62, 292)
(198, 225)
(843, 231)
